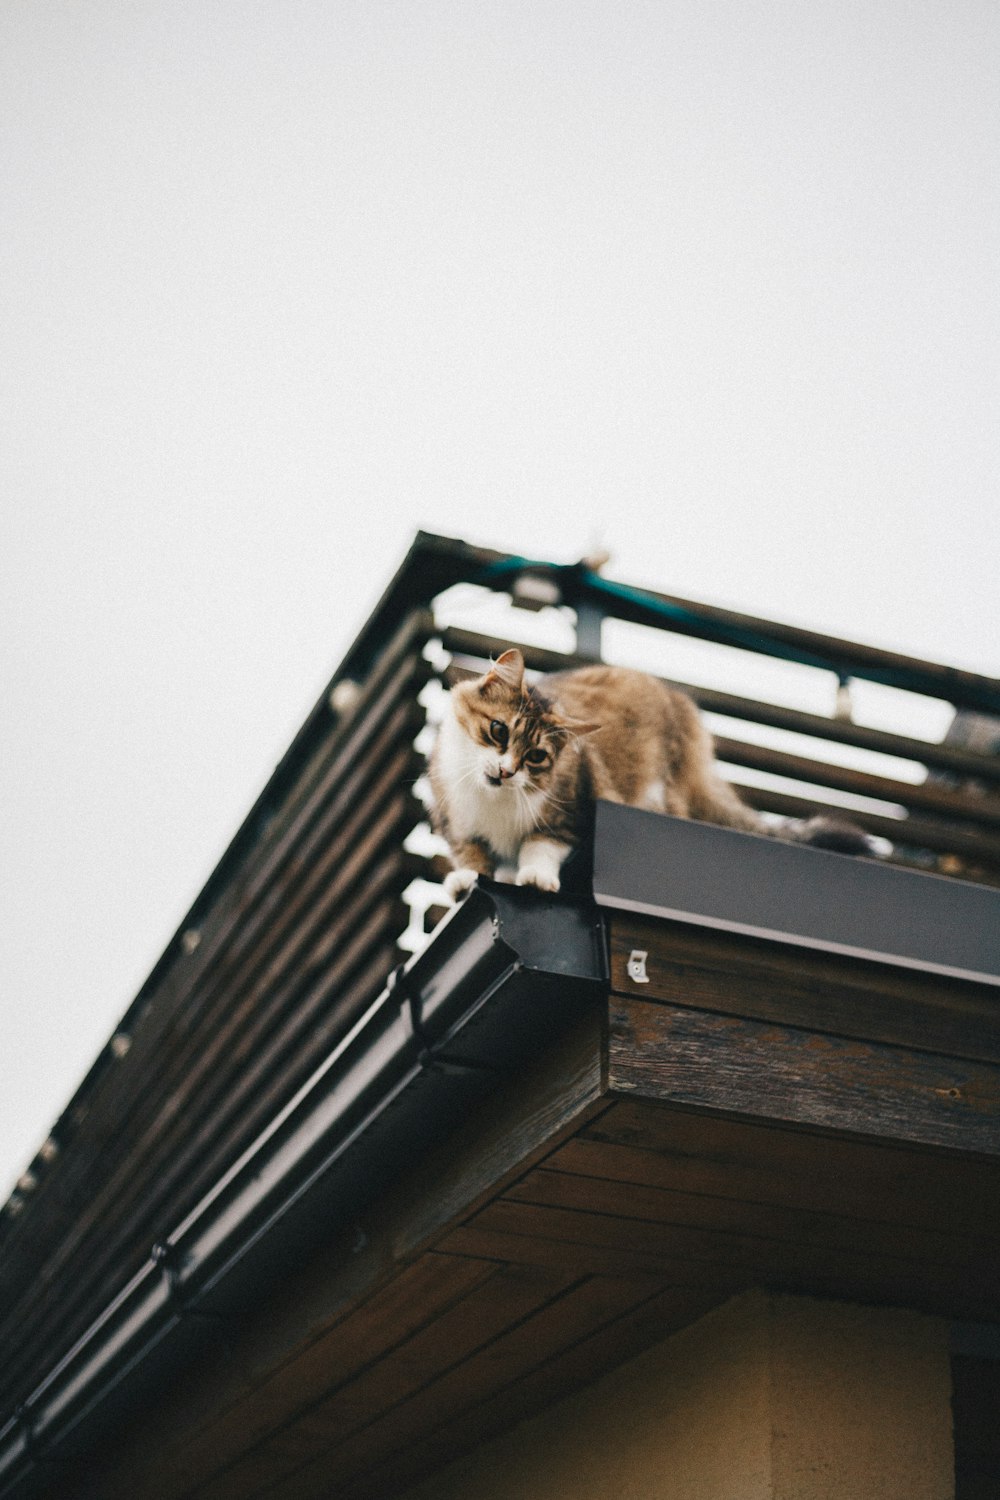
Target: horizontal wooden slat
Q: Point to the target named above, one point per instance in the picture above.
(925, 796)
(784, 1073)
(964, 764)
(518, 1237)
(916, 833)
(707, 1255)
(791, 643)
(795, 1166)
(761, 980)
(497, 1366)
(550, 1188)
(558, 1374)
(892, 1190)
(390, 1385)
(396, 676)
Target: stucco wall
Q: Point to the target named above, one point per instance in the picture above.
(860, 1403)
(766, 1398)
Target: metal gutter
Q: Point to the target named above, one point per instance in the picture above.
(812, 898)
(505, 971)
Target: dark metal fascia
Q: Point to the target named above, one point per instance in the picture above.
(505, 970)
(811, 898)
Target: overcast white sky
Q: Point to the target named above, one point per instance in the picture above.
(280, 283)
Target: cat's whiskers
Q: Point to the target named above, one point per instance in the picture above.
(524, 799)
(472, 776)
(561, 804)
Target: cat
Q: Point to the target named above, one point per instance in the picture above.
(515, 768)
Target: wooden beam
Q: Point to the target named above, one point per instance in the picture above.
(784, 1073)
(767, 981)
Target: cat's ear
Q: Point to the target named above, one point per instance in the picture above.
(508, 669)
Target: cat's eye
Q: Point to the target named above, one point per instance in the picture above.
(536, 757)
(498, 732)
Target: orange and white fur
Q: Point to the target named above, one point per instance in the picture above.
(515, 766)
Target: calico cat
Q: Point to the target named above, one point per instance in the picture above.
(516, 767)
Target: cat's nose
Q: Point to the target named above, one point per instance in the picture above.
(505, 774)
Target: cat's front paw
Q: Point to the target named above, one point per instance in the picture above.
(545, 880)
(540, 863)
(457, 882)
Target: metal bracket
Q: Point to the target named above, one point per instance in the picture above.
(637, 966)
(24, 1417)
(165, 1256)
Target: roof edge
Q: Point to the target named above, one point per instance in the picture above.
(504, 973)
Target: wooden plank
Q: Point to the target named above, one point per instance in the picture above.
(450, 1392)
(935, 834)
(398, 672)
(346, 826)
(959, 1188)
(419, 1295)
(829, 1226)
(966, 764)
(559, 1374)
(299, 906)
(794, 1169)
(761, 980)
(716, 1256)
(927, 796)
(747, 633)
(802, 1077)
(502, 1302)
(512, 1240)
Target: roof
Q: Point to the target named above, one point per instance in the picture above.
(291, 1087)
(519, 1167)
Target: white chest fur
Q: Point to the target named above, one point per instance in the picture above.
(501, 815)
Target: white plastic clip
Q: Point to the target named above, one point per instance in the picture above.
(637, 966)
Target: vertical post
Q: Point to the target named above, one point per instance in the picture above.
(589, 619)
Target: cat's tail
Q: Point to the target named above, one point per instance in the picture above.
(715, 801)
(836, 834)
(711, 798)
